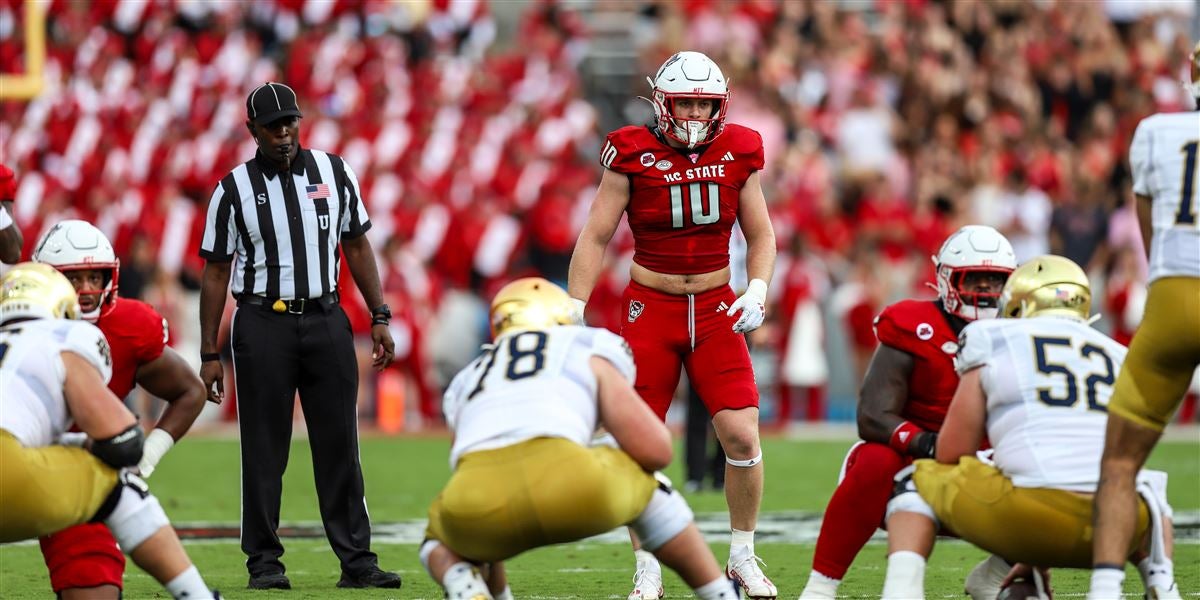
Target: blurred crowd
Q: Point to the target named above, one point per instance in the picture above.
(887, 125)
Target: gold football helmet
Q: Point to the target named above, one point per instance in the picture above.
(36, 291)
(529, 303)
(1047, 285)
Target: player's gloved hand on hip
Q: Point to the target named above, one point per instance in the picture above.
(157, 443)
(577, 311)
(751, 304)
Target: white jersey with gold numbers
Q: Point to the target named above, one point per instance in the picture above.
(530, 384)
(1164, 157)
(1048, 381)
(32, 374)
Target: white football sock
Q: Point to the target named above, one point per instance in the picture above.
(647, 562)
(1161, 574)
(1106, 583)
(505, 594)
(905, 576)
(189, 584)
(820, 587)
(717, 589)
(461, 580)
(741, 544)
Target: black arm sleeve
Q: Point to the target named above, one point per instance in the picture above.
(121, 450)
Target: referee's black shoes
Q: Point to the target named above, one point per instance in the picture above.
(269, 581)
(372, 577)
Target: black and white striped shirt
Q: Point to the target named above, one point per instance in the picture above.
(277, 232)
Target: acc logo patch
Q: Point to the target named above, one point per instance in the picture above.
(647, 159)
(924, 331)
(635, 310)
(663, 165)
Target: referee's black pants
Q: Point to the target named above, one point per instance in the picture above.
(274, 356)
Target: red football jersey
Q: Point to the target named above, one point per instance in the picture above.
(137, 335)
(682, 204)
(919, 328)
(8, 184)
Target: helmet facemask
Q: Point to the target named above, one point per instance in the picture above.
(75, 245)
(689, 132)
(695, 76)
(963, 301)
(104, 297)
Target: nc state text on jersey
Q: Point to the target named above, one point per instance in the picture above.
(705, 172)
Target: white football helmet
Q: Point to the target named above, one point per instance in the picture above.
(689, 75)
(75, 245)
(972, 249)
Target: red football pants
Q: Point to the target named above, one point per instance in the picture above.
(667, 331)
(857, 507)
(83, 556)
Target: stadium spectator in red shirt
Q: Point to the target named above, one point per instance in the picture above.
(905, 394)
(84, 560)
(682, 183)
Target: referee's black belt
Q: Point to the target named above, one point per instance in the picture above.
(298, 306)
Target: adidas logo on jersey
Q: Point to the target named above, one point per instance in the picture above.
(728, 157)
(722, 306)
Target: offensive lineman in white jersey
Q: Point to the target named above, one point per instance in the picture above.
(523, 414)
(53, 371)
(1165, 160)
(1036, 383)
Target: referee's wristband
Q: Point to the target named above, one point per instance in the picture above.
(209, 356)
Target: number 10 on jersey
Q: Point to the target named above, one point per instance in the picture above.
(705, 200)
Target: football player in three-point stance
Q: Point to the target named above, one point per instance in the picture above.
(1036, 383)
(53, 372)
(1165, 160)
(84, 561)
(683, 182)
(522, 414)
(904, 397)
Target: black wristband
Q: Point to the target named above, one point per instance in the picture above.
(209, 356)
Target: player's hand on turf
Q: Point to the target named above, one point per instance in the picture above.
(1025, 571)
(213, 376)
(751, 304)
(383, 350)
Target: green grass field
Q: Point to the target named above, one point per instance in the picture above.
(198, 482)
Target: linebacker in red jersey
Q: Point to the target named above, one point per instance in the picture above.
(905, 394)
(84, 560)
(683, 183)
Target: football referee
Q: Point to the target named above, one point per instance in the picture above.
(274, 224)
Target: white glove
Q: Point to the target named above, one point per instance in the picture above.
(155, 447)
(577, 307)
(72, 438)
(751, 304)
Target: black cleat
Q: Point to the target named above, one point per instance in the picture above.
(269, 581)
(372, 577)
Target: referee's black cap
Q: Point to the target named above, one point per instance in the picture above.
(271, 101)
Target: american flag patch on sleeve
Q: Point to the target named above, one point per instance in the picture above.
(318, 191)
